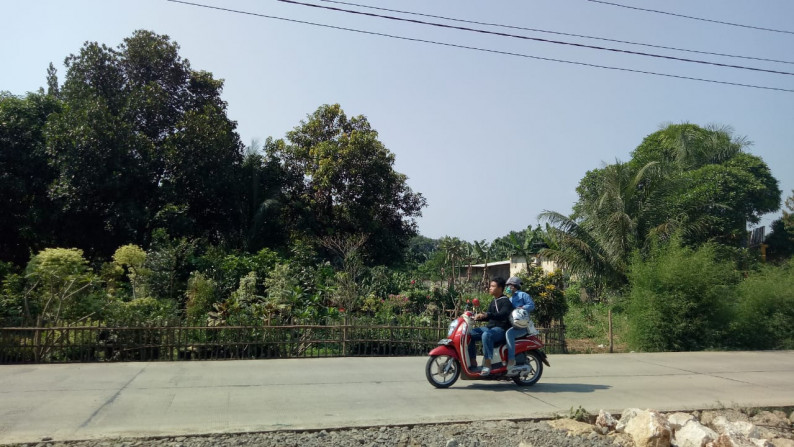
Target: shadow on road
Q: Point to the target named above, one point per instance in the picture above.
(542, 387)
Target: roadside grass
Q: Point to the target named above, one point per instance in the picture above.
(587, 328)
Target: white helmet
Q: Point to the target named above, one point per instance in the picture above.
(519, 318)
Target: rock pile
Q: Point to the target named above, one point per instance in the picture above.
(726, 428)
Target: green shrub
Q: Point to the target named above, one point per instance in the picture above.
(15, 310)
(234, 267)
(546, 289)
(202, 293)
(6, 268)
(142, 312)
(382, 282)
(168, 265)
(681, 299)
(573, 294)
(132, 258)
(765, 310)
(59, 283)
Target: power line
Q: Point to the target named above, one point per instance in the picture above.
(561, 33)
(537, 39)
(485, 50)
(693, 18)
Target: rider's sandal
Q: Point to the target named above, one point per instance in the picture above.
(485, 371)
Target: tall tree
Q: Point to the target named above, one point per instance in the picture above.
(781, 239)
(348, 184)
(53, 89)
(696, 181)
(27, 221)
(262, 199)
(142, 141)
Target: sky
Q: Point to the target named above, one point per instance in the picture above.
(490, 140)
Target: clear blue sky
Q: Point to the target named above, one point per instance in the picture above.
(474, 132)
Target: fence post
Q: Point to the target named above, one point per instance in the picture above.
(609, 316)
(37, 341)
(562, 336)
(344, 336)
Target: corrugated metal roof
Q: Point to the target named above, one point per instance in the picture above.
(490, 264)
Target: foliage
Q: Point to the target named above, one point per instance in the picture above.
(589, 322)
(381, 281)
(347, 184)
(57, 280)
(201, 293)
(525, 244)
(681, 298)
(6, 268)
(135, 157)
(547, 292)
(146, 311)
(781, 239)
(168, 262)
(245, 306)
(262, 199)
(695, 181)
(788, 216)
(579, 414)
(28, 215)
(457, 253)
(141, 140)
(133, 258)
(420, 249)
(226, 268)
(347, 279)
(15, 308)
(386, 308)
(283, 292)
(765, 309)
(572, 245)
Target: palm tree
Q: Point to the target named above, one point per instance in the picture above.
(622, 207)
(597, 244)
(574, 247)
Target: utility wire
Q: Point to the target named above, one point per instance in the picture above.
(560, 33)
(485, 50)
(537, 39)
(693, 18)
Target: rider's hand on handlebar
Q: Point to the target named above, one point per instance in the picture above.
(480, 316)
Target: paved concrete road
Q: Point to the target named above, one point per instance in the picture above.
(84, 401)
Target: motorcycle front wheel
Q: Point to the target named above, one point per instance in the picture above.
(530, 378)
(442, 370)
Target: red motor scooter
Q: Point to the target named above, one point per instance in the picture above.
(450, 360)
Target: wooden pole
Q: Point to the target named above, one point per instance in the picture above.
(609, 316)
(344, 336)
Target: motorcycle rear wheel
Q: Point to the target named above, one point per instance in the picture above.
(442, 370)
(535, 370)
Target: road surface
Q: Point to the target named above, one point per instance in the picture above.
(89, 401)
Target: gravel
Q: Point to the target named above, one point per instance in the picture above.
(772, 424)
(473, 434)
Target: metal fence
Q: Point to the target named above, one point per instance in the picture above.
(98, 343)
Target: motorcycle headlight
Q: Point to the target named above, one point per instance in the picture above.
(452, 327)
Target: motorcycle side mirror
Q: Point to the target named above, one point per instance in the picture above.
(476, 302)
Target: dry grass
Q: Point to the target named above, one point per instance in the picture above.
(589, 346)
